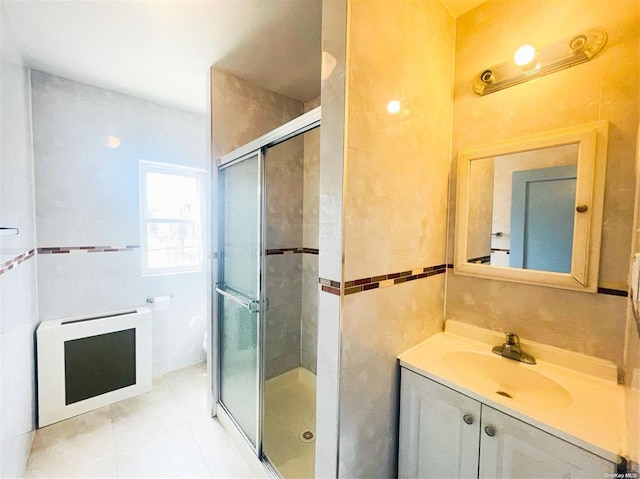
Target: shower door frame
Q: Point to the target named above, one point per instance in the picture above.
(259, 146)
(217, 291)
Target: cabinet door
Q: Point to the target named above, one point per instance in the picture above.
(435, 440)
(514, 449)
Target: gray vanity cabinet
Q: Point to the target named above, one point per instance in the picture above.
(445, 434)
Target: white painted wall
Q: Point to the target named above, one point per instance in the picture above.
(88, 195)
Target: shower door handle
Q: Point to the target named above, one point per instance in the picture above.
(252, 305)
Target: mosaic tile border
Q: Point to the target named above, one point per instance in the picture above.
(12, 263)
(382, 281)
(86, 249)
(613, 292)
(480, 260)
(277, 251)
(329, 286)
(274, 251)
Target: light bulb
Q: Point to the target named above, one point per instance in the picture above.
(524, 55)
(113, 142)
(393, 106)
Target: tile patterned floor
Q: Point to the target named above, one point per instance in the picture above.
(164, 433)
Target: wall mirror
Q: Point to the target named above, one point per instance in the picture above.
(529, 210)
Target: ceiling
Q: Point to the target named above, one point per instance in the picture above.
(161, 50)
(458, 7)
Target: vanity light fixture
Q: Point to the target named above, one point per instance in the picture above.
(528, 63)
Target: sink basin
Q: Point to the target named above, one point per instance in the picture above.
(511, 379)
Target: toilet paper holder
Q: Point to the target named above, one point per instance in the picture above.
(160, 303)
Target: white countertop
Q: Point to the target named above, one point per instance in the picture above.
(594, 418)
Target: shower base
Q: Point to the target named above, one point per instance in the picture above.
(290, 418)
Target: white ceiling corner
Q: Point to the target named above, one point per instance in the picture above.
(162, 50)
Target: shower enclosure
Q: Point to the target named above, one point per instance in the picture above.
(267, 293)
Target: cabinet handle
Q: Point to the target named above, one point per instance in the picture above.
(490, 431)
(468, 418)
(582, 208)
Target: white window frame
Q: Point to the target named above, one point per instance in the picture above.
(145, 167)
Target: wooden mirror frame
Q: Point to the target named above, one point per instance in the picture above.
(587, 232)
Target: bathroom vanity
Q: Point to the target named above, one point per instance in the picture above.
(466, 412)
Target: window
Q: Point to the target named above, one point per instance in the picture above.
(171, 229)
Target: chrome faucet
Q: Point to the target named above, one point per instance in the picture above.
(511, 349)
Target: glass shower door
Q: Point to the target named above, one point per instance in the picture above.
(239, 291)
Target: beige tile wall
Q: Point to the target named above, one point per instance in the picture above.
(395, 203)
(397, 166)
(284, 165)
(377, 326)
(605, 88)
(242, 112)
(284, 224)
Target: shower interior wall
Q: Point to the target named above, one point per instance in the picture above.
(292, 177)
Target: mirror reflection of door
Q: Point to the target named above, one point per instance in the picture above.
(542, 217)
(542, 238)
(557, 221)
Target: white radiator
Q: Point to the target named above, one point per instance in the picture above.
(84, 363)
